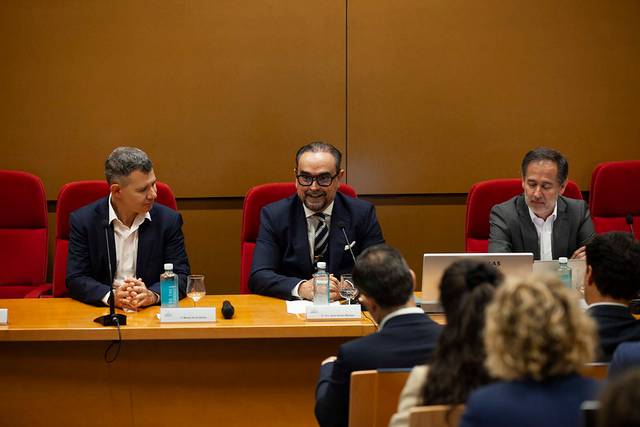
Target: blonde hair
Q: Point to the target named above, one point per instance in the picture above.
(536, 329)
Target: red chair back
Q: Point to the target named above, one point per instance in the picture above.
(256, 198)
(614, 194)
(23, 235)
(483, 196)
(75, 195)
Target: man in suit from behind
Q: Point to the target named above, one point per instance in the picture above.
(310, 226)
(611, 281)
(406, 335)
(541, 220)
(142, 237)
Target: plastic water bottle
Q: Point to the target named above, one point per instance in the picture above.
(169, 287)
(564, 272)
(321, 285)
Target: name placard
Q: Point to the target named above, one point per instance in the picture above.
(4, 316)
(333, 312)
(187, 314)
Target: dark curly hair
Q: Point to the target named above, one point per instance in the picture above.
(615, 264)
(466, 288)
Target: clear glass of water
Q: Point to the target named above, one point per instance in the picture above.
(195, 288)
(348, 290)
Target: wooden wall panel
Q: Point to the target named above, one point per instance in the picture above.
(445, 93)
(219, 93)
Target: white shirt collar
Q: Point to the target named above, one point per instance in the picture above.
(595, 304)
(136, 222)
(399, 312)
(535, 217)
(327, 211)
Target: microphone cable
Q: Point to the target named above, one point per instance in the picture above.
(117, 343)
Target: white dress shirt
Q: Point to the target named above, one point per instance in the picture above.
(126, 239)
(545, 231)
(312, 225)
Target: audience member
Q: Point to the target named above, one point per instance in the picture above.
(466, 288)
(620, 401)
(537, 339)
(612, 279)
(406, 335)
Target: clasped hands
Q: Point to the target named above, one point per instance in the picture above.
(133, 294)
(307, 289)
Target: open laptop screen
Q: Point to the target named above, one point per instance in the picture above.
(434, 265)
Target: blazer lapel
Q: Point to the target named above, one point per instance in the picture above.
(145, 243)
(528, 230)
(337, 240)
(300, 240)
(560, 235)
(102, 214)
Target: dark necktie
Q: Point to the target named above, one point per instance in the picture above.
(321, 239)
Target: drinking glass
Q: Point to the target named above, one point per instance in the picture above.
(347, 288)
(195, 288)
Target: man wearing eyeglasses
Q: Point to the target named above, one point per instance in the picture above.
(318, 223)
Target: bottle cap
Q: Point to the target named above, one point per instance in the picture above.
(168, 266)
(322, 265)
(563, 260)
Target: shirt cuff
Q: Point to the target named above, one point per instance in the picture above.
(105, 299)
(294, 291)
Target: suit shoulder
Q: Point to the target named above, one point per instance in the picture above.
(354, 202)
(574, 204)
(88, 210)
(163, 211)
(507, 205)
(282, 206)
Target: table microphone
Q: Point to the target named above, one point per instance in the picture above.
(227, 309)
(630, 222)
(111, 319)
(342, 226)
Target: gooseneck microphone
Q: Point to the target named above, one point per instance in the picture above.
(342, 226)
(111, 319)
(630, 223)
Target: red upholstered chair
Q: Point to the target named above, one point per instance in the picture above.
(485, 195)
(23, 235)
(75, 195)
(614, 194)
(256, 198)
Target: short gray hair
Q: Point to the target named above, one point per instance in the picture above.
(124, 160)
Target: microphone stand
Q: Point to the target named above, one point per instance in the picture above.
(111, 319)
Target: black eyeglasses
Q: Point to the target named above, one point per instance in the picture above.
(323, 180)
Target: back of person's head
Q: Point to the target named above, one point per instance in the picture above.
(535, 329)
(620, 401)
(466, 288)
(546, 154)
(382, 273)
(615, 264)
(124, 160)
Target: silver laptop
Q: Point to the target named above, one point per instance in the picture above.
(434, 265)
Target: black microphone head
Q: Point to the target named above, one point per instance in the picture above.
(227, 310)
(629, 219)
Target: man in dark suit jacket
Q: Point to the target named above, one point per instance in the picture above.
(540, 220)
(406, 336)
(142, 237)
(626, 357)
(612, 279)
(310, 226)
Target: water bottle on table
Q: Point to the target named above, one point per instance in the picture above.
(321, 285)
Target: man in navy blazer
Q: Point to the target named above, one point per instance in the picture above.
(406, 335)
(541, 220)
(316, 224)
(143, 236)
(611, 281)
